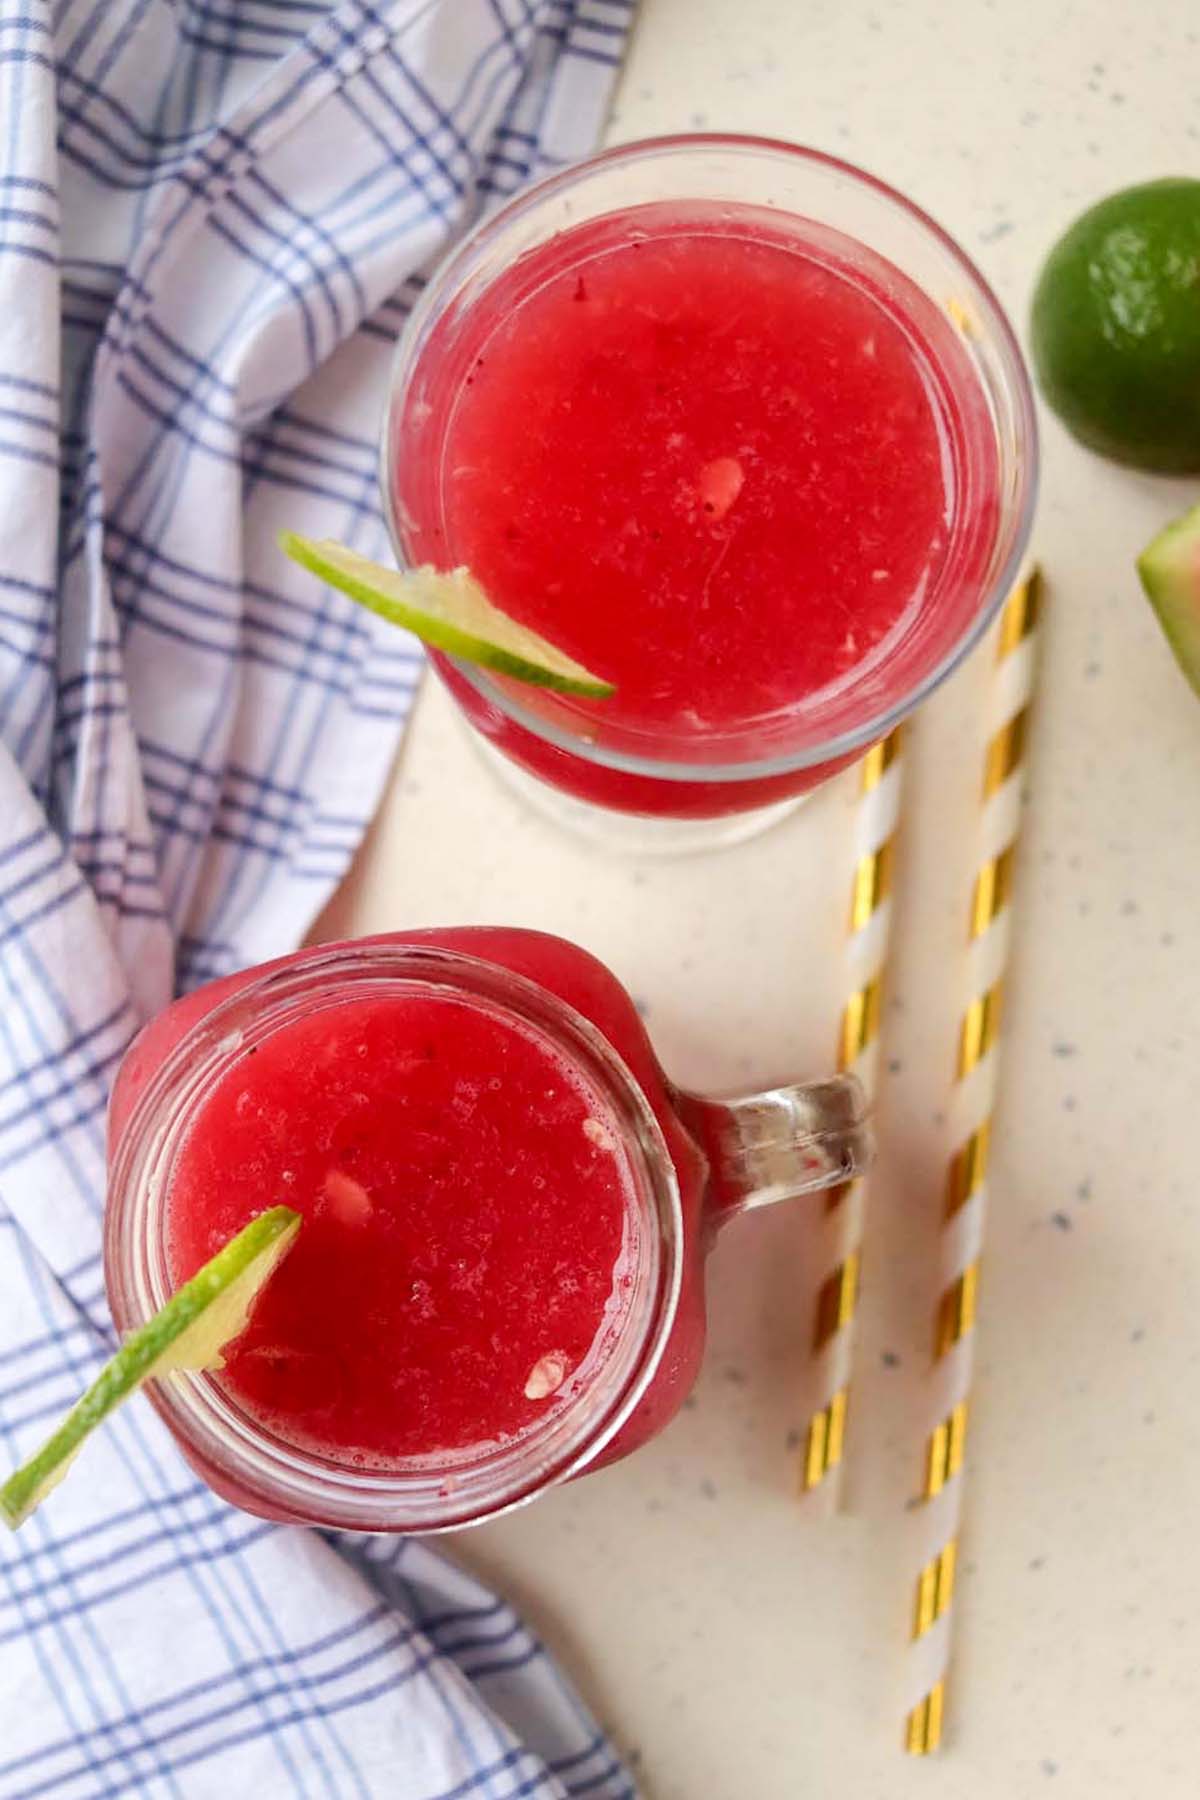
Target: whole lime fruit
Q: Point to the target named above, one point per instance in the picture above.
(1116, 326)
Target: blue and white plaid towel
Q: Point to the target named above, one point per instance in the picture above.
(213, 214)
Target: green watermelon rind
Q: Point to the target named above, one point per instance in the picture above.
(1169, 568)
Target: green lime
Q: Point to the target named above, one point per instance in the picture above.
(449, 611)
(189, 1332)
(1116, 326)
(1170, 570)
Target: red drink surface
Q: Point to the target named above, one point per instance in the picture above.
(465, 1200)
(736, 463)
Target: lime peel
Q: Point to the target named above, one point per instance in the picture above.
(189, 1332)
(1115, 326)
(449, 611)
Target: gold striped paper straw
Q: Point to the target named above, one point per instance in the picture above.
(868, 928)
(988, 919)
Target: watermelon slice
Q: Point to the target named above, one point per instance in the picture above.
(1169, 567)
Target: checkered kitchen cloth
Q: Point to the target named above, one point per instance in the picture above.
(213, 215)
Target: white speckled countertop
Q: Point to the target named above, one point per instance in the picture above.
(736, 1645)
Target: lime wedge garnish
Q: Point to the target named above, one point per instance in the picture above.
(451, 612)
(188, 1333)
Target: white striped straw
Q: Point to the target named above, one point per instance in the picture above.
(869, 927)
(966, 1187)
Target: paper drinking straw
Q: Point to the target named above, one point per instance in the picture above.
(868, 928)
(988, 921)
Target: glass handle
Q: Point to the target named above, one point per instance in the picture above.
(779, 1144)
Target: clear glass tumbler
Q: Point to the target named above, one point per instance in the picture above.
(646, 786)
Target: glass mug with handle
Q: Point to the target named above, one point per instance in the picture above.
(499, 1281)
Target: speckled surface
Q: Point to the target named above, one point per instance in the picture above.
(735, 1645)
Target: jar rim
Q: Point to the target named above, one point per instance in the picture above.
(442, 1491)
